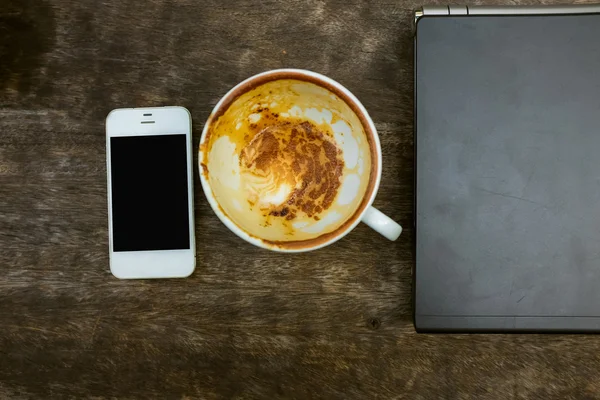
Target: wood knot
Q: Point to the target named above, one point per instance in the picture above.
(373, 323)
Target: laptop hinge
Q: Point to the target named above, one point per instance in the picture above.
(535, 10)
(507, 10)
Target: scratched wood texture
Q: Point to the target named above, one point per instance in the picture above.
(335, 323)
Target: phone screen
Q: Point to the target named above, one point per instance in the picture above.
(149, 186)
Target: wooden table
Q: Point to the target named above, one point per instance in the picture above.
(335, 323)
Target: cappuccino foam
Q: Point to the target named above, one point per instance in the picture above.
(288, 161)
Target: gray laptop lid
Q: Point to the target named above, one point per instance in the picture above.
(507, 134)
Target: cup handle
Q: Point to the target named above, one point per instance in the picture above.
(382, 223)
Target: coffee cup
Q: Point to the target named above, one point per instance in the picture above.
(290, 161)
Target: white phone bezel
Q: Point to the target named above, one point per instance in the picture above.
(155, 263)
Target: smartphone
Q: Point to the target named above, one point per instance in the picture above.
(150, 193)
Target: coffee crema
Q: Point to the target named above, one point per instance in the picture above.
(292, 167)
(287, 161)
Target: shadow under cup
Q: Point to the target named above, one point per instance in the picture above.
(289, 160)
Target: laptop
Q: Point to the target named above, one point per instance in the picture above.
(507, 169)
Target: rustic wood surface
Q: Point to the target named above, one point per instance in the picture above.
(335, 323)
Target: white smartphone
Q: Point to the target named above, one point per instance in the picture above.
(150, 193)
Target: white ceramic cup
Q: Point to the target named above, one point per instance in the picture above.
(254, 207)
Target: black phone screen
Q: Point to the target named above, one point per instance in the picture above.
(149, 183)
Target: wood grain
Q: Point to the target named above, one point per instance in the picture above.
(335, 323)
